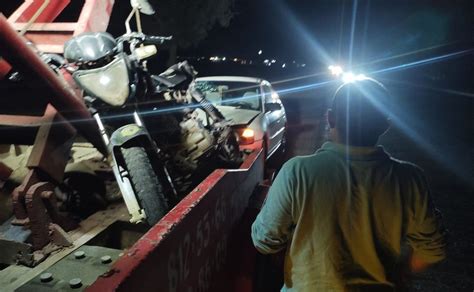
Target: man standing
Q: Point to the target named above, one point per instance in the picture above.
(351, 217)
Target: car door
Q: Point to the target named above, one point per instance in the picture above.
(274, 119)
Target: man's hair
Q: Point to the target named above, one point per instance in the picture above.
(359, 111)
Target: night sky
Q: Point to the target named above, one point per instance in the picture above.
(291, 30)
(315, 31)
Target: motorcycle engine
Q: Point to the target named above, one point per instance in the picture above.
(197, 142)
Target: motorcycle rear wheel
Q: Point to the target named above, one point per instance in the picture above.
(146, 184)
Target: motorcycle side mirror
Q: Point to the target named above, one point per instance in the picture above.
(143, 6)
(271, 107)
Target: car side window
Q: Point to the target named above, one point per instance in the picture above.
(267, 90)
(271, 96)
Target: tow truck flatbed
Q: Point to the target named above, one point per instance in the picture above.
(201, 244)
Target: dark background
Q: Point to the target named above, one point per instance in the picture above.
(431, 42)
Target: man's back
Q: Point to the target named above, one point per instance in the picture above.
(346, 212)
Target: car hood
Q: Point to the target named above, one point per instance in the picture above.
(238, 116)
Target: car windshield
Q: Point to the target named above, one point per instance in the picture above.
(242, 95)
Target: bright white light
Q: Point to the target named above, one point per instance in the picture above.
(266, 61)
(104, 80)
(260, 52)
(361, 77)
(336, 70)
(284, 65)
(274, 61)
(224, 58)
(235, 59)
(350, 77)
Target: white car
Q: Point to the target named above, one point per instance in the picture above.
(253, 107)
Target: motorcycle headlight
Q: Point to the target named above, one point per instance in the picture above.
(109, 83)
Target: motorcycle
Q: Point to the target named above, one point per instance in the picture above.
(164, 137)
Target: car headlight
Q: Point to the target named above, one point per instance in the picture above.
(109, 83)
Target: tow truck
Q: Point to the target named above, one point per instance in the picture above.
(202, 244)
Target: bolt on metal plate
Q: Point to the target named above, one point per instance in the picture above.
(46, 277)
(75, 283)
(106, 259)
(79, 254)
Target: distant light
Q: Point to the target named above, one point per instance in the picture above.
(223, 58)
(260, 52)
(266, 61)
(336, 70)
(303, 65)
(284, 65)
(235, 59)
(274, 61)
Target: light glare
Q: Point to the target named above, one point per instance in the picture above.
(350, 77)
(104, 80)
(335, 70)
(248, 133)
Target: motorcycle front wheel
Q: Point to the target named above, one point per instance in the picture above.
(146, 184)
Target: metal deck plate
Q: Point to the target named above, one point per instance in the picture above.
(81, 268)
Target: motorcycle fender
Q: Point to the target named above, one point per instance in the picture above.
(127, 133)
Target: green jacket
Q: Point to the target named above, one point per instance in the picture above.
(345, 215)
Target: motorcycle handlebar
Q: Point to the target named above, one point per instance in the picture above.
(156, 40)
(140, 38)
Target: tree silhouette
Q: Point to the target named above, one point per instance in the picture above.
(189, 21)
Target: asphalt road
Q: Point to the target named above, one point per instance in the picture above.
(437, 134)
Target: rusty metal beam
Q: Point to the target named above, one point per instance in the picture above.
(4, 68)
(50, 36)
(95, 16)
(26, 11)
(17, 53)
(21, 121)
(52, 145)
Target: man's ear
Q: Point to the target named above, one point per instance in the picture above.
(331, 119)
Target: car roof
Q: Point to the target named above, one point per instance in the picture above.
(231, 79)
